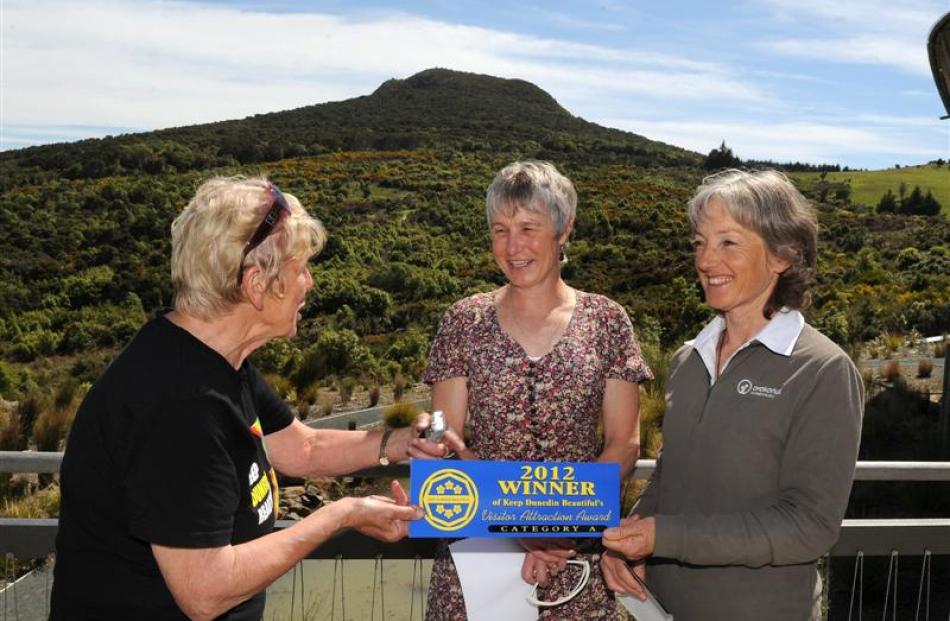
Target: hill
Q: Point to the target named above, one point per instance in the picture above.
(436, 108)
(868, 186)
(84, 257)
(398, 177)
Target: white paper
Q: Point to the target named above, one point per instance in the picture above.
(490, 573)
(649, 610)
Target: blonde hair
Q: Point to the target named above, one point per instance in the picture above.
(209, 235)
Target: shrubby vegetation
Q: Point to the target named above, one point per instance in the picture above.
(723, 157)
(398, 178)
(916, 203)
(867, 188)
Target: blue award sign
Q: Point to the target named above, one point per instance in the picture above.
(514, 498)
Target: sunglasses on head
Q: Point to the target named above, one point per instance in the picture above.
(278, 207)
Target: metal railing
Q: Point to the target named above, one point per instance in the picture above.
(34, 538)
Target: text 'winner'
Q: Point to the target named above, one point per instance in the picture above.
(514, 498)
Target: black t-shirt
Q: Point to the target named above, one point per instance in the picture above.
(166, 448)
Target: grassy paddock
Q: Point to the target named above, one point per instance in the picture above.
(869, 186)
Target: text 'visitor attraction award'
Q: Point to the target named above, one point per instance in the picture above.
(514, 498)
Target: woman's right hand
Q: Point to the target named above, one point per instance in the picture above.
(619, 575)
(457, 445)
(544, 559)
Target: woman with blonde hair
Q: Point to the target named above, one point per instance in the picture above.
(169, 494)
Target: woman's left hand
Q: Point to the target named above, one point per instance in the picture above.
(421, 448)
(545, 558)
(407, 442)
(634, 538)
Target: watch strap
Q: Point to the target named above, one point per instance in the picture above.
(383, 460)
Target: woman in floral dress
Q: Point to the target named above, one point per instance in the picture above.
(535, 368)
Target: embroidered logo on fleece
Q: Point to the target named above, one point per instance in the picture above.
(747, 387)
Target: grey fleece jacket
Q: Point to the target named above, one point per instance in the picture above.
(753, 480)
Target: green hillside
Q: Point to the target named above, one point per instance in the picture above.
(868, 186)
(399, 177)
(436, 108)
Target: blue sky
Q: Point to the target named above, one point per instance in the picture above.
(843, 81)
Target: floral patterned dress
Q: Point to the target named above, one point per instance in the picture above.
(531, 410)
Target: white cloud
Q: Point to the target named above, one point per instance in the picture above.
(816, 142)
(893, 120)
(102, 65)
(873, 50)
(572, 22)
(895, 16)
(164, 63)
(882, 32)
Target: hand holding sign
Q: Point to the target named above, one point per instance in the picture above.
(634, 538)
(514, 499)
(545, 557)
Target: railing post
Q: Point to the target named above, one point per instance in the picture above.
(944, 423)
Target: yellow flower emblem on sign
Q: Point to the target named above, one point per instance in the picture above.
(449, 499)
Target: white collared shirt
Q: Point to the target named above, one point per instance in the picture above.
(780, 335)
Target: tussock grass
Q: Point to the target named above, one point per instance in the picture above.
(281, 385)
(51, 427)
(400, 414)
(42, 504)
(658, 360)
(346, 386)
(885, 345)
(12, 437)
(652, 409)
(325, 405)
(890, 371)
(400, 383)
(311, 394)
(28, 410)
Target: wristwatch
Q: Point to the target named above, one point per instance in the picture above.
(383, 460)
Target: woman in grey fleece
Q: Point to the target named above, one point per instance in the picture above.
(762, 424)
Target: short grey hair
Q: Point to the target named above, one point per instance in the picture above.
(767, 203)
(532, 185)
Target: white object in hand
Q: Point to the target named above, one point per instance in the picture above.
(649, 610)
(436, 428)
